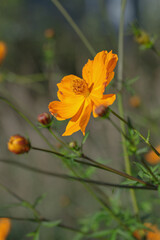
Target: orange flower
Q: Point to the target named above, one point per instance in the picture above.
(80, 96)
(135, 101)
(49, 33)
(5, 226)
(154, 234)
(18, 144)
(151, 157)
(3, 51)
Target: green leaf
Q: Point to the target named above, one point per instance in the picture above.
(132, 80)
(125, 235)
(113, 235)
(148, 136)
(26, 204)
(39, 200)
(142, 150)
(31, 234)
(100, 234)
(51, 224)
(85, 138)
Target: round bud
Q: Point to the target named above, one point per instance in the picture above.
(72, 144)
(101, 110)
(142, 38)
(44, 118)
(18, 144)
(135, 101)
(49, 33)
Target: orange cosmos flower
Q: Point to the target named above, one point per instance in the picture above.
(80, 96)
(153, 234)
(151, 157)
(3, 51)
(5, 226)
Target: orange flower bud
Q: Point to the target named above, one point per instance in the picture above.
(135, 101)
(18, 144)
(5, 226)
(101, 110)
(49, 33)
(3, 51)
(151, 157)
(44, 118)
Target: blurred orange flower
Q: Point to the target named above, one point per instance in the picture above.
(49, 33)
(80, 96)
(18, 144)
(151, 157)
(154, 234)
(135, 101)
(5, 226)
(3, 51)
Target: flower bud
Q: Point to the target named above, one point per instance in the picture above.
(73, 144)
(101, 110)
(49, 33)
(44, 118)
(151, 157)
(135, 101)
(18, 144)
(5, 226)
(142, 37)
(3, 51)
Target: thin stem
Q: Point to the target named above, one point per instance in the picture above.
(11, 192)
(119, 129)
(57, 138)
(149, 170)
(74, 26)
(44, 220)
(27, 120)
(68, 177)
(20, 199)
(141, 136)
(94, 164)
(120, 104)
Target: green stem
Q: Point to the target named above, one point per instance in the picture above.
(149, 170)
(27, 120)
(44, 220)
(58, 139)
(68, 177)
(119, 130)
(94, 164)
(120, 104)
(20, 199)
(74, 26)
(137, 132)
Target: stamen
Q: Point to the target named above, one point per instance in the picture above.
(79, 86)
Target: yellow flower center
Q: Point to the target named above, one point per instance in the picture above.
(80, 87)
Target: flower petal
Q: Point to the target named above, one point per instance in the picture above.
(107, 100)
(85, 116)
(62, 110)
(111, 61)
(80, 120)
(64, 87)
(87, 72)
(103, 66)
(73, 124)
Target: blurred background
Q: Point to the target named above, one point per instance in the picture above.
(42, 48)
